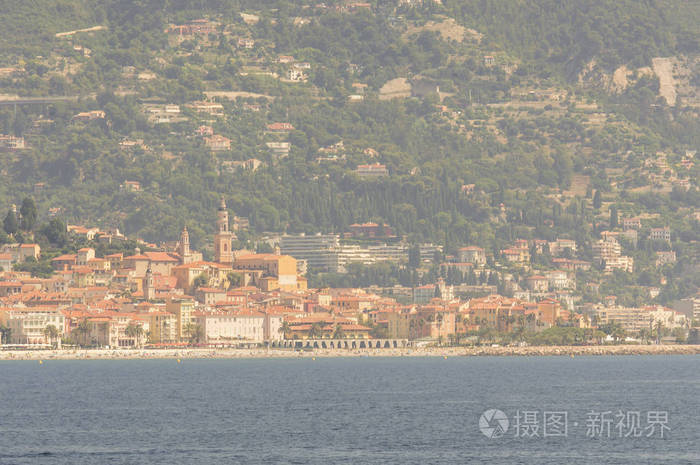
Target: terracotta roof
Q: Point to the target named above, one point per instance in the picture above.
(161, 257)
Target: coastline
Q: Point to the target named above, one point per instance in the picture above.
(147, 354)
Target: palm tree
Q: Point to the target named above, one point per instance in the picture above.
(135, 332)
(139, 335)
(130, 331)
(315, 331)
(51, 333)
(457, 337)
(188, 330)
(285, 329)
(338, 333)
(659, 327)
(165, 331)
(82, 330)
(5, 334)
(194, 333)
(644, 335)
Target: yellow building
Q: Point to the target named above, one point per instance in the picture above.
(162, 327)
(283, 268)
(182, 309)
(399, 324)
(216, 274)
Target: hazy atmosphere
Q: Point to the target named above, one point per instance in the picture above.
(358, 199)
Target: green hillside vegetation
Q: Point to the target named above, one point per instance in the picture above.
(570, 33)
(537, 143)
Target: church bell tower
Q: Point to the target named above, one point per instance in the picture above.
(149, 286)
(222, 241)
(183, 247)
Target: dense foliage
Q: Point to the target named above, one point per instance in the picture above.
(488, 126)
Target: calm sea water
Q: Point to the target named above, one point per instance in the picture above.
(327, 411)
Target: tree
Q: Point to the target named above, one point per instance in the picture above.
(200, 281)
(338, 333)
(51, 333)
(264, 247)
(136, 332)
(613, 217)
(234, 279)
(315, 331)
(10, 224)
(285, 329)
(28, 212)
(5, 334)
(81, 331)
(644, 335)
(56, 232)
(195, 333)
(414, 256)
(597, 201)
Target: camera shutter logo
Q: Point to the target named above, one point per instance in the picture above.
(493, 423)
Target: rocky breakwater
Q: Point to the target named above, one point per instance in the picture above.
(622, 349)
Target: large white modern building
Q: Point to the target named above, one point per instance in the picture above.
(319, 250)
(325, 252)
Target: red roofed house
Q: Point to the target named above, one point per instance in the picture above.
(162, 262)
(472, 254)
(204, 131)
(537, 283)
(516, 255)
(215, 273)
(10, 288)
(64, 262)
(210, 295)
(137, 263)
(370, 230)
(217, 143)
(280, 127)
(20, 252)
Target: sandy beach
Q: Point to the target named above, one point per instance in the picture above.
(196, 353)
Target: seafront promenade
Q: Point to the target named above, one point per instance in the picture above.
(182, 354)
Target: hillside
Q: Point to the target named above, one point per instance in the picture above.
(537, 106)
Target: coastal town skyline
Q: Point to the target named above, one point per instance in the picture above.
(378, 231)
(171, 296)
